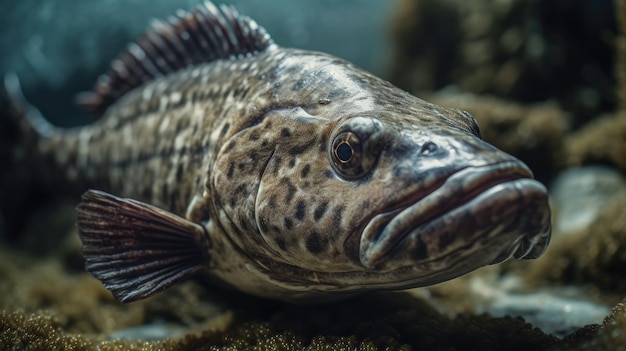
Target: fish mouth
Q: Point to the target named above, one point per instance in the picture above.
(464, 216)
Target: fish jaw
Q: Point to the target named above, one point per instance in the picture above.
(475, 204)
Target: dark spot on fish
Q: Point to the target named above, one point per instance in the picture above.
(292, 163)
(295, 69)
(244, 93)
(298, 150)
(272, 201)
(241, 165)
(281, 243)
(257, 119)
(179, 172)
(320, 210)
(239, 192)
(358, 79)
(230, 145)
(291, 189)
(329, 173)
(300, 209)
(245, 225)
(421, 251)
(335, 93)
(263, 225)
(314, 243)
(298, 85)
(285, 133)
(288, 223)
(276, 168)
(181, 123)
(224, 130)
(254, 136)
(255, 158)
(398, 170)
(264, 142)
(365, 204)
(445, 240)
(305, 171)
(337, 216)
(330, 80)
(322, 147)
(275, 229)
(275, 90)
(231, 170)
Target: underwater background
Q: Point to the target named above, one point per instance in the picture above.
(546, 81)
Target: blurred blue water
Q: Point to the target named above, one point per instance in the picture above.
(59, 47)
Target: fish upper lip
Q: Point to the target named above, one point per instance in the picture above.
(385, 230)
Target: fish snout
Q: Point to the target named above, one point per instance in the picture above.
(483, 215)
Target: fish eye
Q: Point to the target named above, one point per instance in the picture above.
(356, 147)
(347, 153)
(347, 148)
(344, 151)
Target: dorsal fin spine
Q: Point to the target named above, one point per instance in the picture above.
(204, 34)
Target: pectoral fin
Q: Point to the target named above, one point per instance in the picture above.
(136, 249)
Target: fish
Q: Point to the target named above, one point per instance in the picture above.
(280, 172)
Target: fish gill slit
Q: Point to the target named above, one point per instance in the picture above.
(257, 196)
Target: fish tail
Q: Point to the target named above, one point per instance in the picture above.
(25, 183)
(24, 118)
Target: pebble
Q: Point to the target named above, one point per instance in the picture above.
(149, 332)
(580, 194)
(559, 311)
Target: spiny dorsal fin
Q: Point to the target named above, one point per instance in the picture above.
(136, 249)
(202, 35)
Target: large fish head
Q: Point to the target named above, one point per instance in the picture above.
(392, 203)
(379, 189)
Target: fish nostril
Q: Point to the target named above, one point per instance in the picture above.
(428, 148)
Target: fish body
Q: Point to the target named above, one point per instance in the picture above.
(284, 173)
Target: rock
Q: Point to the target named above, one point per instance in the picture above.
(550, 312)
(602, 141)
(528, 51)
(149, 332)
(556, 310)
(580, 195)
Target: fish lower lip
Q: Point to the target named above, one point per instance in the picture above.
(489, 191)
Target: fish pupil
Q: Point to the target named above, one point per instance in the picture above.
(344, 152)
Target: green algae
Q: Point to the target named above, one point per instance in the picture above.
(393, 321)
(44, 307)
(600, 141)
